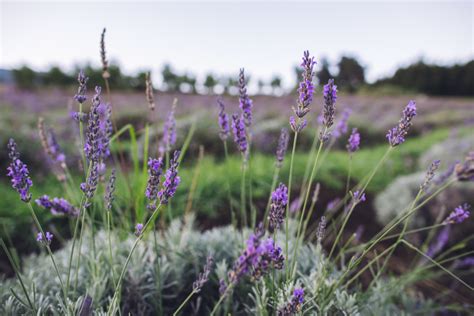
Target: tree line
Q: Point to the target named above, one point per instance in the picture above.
(348, 73)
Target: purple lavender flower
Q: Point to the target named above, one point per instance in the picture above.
(354, 141)
(306, 87)
(330, 97)
(169, 129)
(18, 172)
(465, 171)
(257, 259)
(430, 175)
(278, 206)
(240, 136)
(441, 241)
(79, 116)
(342, 125)
(358, 197)
(282, 147)
(396, 135)
(155, 169)
(149, 91)
(203, 276)
(92, 147)
(81, 90)
(57, 206)
(223, 121)
(244, 101)
(297, 126)
(138, 229)
(44, 239)
(109, 191)
(103, 56)
(89, 187)
(459, 214)
(294, 306)
(466, 262)
(172, 180)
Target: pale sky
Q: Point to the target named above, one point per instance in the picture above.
(266, 37)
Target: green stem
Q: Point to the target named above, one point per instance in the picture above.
(110, 246)
(127, 261)
(229, 193)
(289, 199)
(184, 303)
(243, 209)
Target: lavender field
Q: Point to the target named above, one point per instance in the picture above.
(168, 194)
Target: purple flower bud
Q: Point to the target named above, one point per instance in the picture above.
(441, 241)
(138, 229)
(57, 206)
(109, 191)
(277, 208)
(203, 276)
(172, 180)
(46, 240)
(79, 116)
(294, 305)
(244, 101)
(430, 175)
(80, 97)
(18, 172)
(321, 229)
(459, 214)
(240, 136)
(92, 145)
(354, 141)
(358, 197)
(89, 187)
(396, 135)
(155, 170)
(223, 121)
(306, 87)
(297, 126)
(169, 129)
(330, 97)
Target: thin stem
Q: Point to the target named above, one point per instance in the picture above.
(48, 249)
(339, 234)
(110, 246)
(289, 199)
(184, 303)
(127, 261)
(18, 275)
(242, 194)
(214, 310)
(303, 210)
(229, 193)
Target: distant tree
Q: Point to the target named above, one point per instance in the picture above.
(275, 83)
(210, 82)
(324, 74)
(170, 79)
(138, 82)
(25, 77)
(231, 85)
(56, 77)
(351, 74)
(261, 85)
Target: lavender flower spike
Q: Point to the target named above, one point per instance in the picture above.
(203, 276)
(244, 101)
(358, 197)
(278, 206)
(297, 126)
(306, 87)
(138, 229)
(80, 96)
(353, 142)
(92, 146)
(103, 57)
(430, 175)
(330, 97)
(172, 180)
(282, 147)
(109, 191)
(90, 186)
(18, 172)
(396, 135)
(169, 129)
(149, 91)
(57, 206)
(459, 214)
(294, 306)
(223, 121)
(240, 136)
(155, 169)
